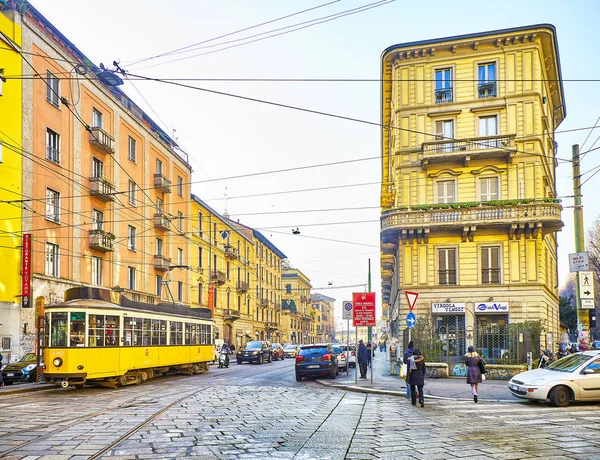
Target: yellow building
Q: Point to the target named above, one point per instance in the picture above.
(324, 325)
(11, 170)
(469, 208)
(298, 316)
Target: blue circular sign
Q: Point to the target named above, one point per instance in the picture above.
(348, 306)
(411, 320)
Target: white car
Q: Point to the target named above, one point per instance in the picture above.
(575, 377)
(341, 356)
(351, 354)
(290, 351)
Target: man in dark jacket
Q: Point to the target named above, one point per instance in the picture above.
(362, 359)
(416, 376)
(407, 354)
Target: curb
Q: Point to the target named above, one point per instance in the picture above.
(357, 389)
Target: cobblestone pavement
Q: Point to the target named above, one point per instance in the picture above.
(253, 411)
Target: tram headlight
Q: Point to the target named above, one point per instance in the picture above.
(57, 362)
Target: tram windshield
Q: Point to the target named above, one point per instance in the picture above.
(77, 329)
(58, 330)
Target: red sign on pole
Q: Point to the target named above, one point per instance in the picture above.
(411, 298)
(363, 313)
(26, 272)
(211, 298)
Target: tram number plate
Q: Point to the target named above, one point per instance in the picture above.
(314, 366)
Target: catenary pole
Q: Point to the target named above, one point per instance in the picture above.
(583, 320)
(370, 330)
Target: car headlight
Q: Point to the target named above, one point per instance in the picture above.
(30, 367)
(255, 352)
(57, 362)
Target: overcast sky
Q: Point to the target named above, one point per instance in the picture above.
(228, 137)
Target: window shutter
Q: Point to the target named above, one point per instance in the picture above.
(485, 259)
(442, 259)
(439, 130)
(451, 259)
(493, 188)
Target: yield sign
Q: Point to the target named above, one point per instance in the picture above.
(411, 298)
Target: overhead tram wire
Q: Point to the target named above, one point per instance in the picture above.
(231, 33)
(311, 23)
(330, 115)
(87, 127)
(322, 238)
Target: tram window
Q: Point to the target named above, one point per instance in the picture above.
(59, 330)
(176, 333)
(163, 332)
(46, 331)
(103, 331)
(147, 332)
(155, 331)
(133, 331)
(77, 329)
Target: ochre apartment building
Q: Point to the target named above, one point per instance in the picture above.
(469, 207)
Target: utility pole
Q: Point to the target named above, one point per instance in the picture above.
(583, 318)
(370, 329)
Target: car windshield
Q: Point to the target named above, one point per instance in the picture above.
(304, 351)
(256, 345)
(28, 357)
(568, 363)
(275, 345)
(289, 347)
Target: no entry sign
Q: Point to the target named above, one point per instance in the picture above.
(364, 309)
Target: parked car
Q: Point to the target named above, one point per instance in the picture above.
(255, 351)
(290, 351)
(316, 360)
(278, 352)
(595, 344)
(21, 371)
(575, 377)
(351, 354)
(341, 357)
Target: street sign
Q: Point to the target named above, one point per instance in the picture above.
(587, 304)
(411, 320)
(411, 298)
(347, 310)
(586, 285)
(578, 261)
(363, 313)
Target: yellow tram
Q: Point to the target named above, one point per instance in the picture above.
(101, 337)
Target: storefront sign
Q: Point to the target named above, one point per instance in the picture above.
(447, 308)
(491, 307)
(26, 272)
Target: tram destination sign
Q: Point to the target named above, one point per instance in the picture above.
(447, 307)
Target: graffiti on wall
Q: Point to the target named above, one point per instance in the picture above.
(459, 370)
(27, 343)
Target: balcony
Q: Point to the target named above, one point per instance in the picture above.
(277, 306)
(162, 184)
(102, 189)
(218, 277)
(271, 325)
(304, 298)
(487, 89)
(465, 149)
(231, 252)
(242, 287)
(443, 95)
(526, 216)
(161, 263)
(231, 315)
(161, 221)
(101, 240)
(101, 140)
(263, 302)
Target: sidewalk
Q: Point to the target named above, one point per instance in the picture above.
(16, 388)
(444, 388)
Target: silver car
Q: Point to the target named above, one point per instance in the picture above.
(575, 377)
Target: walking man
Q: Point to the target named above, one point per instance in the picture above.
(363, 354)
(407, 354)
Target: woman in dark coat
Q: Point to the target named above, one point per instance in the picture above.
(473, 361)
(416, 376)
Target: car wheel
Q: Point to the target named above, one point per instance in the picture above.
(333, 373)
(260, 360)
(239, 361)
(270, 358)
(560, 396)
(298, 377)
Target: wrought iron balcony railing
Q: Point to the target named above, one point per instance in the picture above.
(102, 189)
(161, 263)
(263, 302)
(231, 315)
(447, 277)
(443, 95)
(230, 252)
(218, 277)
(161, 221)
(487, 89)
(102, 140)
(162, 184)
(101, 240)
(463, 146)
(242, 286)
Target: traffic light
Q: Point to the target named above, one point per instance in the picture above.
(592, 318)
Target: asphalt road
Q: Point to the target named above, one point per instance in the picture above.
(251, 411)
